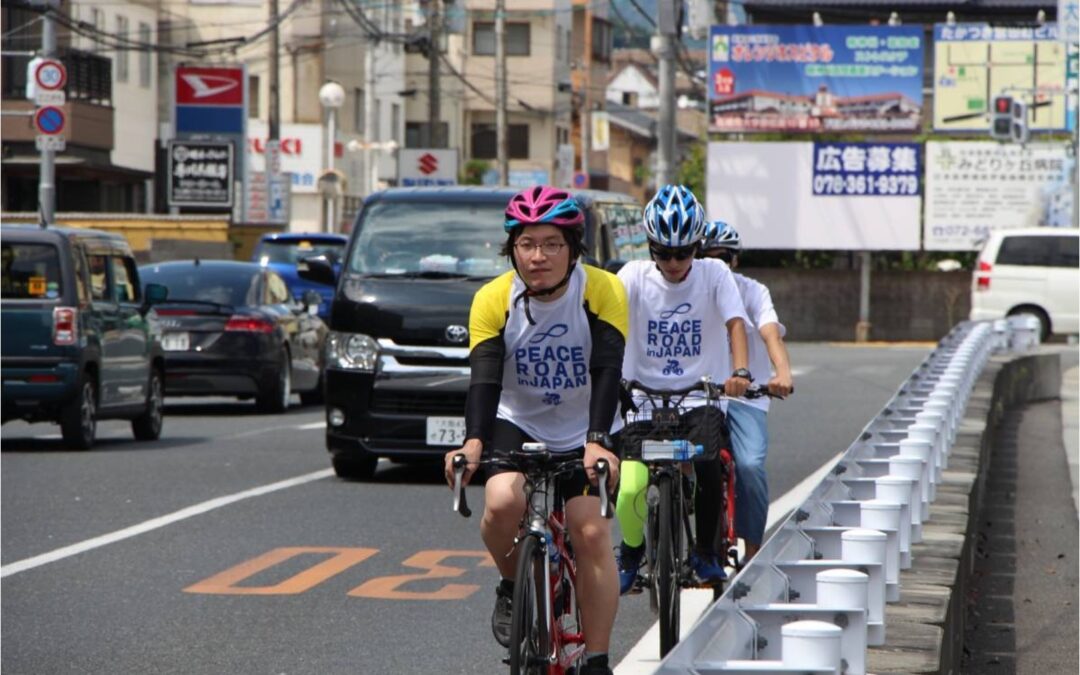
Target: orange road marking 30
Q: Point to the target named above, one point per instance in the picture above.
(340, 560)
(388, 588)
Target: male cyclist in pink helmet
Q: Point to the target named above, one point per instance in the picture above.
(546, 350)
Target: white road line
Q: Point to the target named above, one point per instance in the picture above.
(155, 523)
(313, 425)
(644, 657)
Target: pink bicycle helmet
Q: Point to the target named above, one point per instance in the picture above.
(543, 205)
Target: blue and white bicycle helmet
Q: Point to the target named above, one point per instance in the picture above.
(719, 234)
(674, 217)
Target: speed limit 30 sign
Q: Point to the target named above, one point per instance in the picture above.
(50, 75)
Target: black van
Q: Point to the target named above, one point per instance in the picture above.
(397, 366)
(77, 345)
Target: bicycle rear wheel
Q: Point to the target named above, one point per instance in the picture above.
(667, 564)
(530, 642)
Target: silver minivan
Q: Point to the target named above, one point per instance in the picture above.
(1030, 271)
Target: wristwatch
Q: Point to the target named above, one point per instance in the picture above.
(743, 373)
(602, 438)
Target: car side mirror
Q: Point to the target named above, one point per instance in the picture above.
(155, 294)
(317, 268)
(312, 300)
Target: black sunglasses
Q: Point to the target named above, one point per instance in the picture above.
(669, 253)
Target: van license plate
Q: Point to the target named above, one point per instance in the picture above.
(175, 342)
(445, 431)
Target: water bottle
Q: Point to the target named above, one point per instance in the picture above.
(553, 551)
(685, 450)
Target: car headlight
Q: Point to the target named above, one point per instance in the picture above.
(352, 351)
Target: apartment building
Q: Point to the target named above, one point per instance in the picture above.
(320, 41)
(109, 162)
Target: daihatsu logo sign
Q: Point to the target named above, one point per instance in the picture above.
(205, 86)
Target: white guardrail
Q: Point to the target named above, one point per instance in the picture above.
(813, 599)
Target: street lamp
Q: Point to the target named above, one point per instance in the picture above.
(331, 96)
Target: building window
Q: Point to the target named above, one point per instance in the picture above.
(359, 113)
(122, 54)
(601, 40)
(145, 63)
(395, 122)
(253, 96)
(484, 146)
(414, 134)
(517, 38)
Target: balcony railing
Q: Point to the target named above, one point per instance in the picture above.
(89, 77)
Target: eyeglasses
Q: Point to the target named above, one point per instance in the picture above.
(549, 248)
(669, 253)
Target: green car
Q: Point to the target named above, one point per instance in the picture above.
(77, 344)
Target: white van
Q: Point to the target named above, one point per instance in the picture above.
(1030, 271)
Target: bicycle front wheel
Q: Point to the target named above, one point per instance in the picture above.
(667, 563)
(530, 642)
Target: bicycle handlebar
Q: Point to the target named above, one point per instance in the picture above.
(461, 505)
(710, 389)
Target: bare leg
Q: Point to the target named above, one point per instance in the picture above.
(597, 576)
(504, 504)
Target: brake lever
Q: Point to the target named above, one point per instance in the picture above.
(461, 505)
(602, 473)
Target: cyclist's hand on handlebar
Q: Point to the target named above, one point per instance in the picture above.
(471, 450)
(595, 451)
(781, 385)
(736, 386)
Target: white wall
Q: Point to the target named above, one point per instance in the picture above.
(134, 125)
(630, 79)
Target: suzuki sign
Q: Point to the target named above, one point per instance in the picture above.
(427, 167)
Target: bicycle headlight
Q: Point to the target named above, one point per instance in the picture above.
(352, 351)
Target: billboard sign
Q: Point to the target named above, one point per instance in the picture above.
(975, 62)
(210, 100)
(815, 78)
(200, 174)
(417, 167)
(975, 188)
(301, 151)
(847, 196)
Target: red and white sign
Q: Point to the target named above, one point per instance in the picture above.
(427, 167)
(427, 163)
(724, 82)
(301, 155)
(50, 75)
(209, 86)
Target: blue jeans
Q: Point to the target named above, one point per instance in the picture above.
(750, 442)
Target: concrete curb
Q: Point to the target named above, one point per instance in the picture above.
(926, 628)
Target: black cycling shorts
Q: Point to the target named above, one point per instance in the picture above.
(507, 437)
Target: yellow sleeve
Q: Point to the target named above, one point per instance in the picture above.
(487, 318)
(605, 297)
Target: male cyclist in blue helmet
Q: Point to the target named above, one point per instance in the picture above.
(679, 307)
(746, 419)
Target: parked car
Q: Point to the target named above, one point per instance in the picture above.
(234, 329)
(282, 252)
(77, 344)
(1030, 271)
(397, 366)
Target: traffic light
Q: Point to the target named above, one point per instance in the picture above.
(1018, 130)
(1001, 118)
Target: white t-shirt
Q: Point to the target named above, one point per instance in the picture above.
(678, 331)
(759, 307)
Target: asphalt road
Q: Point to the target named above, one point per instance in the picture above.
(158, 557)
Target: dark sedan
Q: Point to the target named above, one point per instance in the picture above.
(233, 328)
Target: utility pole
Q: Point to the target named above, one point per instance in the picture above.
(272, 152)
(371, 134)
(432, 138)
(663, 44)
(500, 93)
(586, 98)
(47, 175)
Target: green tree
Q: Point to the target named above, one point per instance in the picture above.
(691, 171)
(473, 172)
